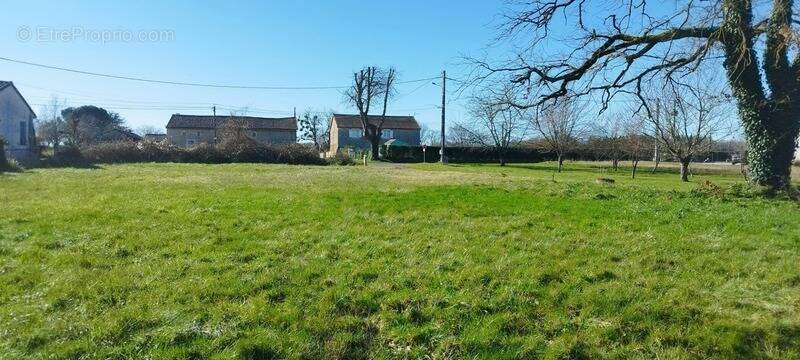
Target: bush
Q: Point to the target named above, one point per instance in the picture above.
(3, 161)
(298, 154)
(114, 152)
(462, 154)
(245, 150)
(161, 152)
(66, 156)
(204, 154)
(11, 166)
(343, 159)
(227, 152)
(6, 164)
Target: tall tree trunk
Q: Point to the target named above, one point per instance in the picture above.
(685, 169)
(771, 149)
(770, 123)
(635, 164)
(615, 164)
(657, 159)
(560, 162)
(376, 144)
(655, 166)
(502, 160)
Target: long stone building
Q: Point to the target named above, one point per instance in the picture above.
(190, 130)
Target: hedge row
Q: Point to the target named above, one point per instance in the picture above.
(131, 152)
(5, 165)
(466, 154)
(462, 154)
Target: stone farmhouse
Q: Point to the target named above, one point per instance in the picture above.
(190, 130)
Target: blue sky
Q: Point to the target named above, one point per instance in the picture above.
(266, 43)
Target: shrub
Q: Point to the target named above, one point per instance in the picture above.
(343, 159)
(245, 150)
(462, 154)
(3, 161)
(114, 152)
(11, 166)
(299, 154)
(161, 152)
(204, 154)
(709, 188)
(226, 152)
(66, 156)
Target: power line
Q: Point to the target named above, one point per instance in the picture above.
(167, 82)
(72, 95)
(410, 92)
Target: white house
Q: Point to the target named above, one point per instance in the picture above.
(16, 124)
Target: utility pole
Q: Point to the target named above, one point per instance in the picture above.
(444, 92)
(214, 121)
(656, 155)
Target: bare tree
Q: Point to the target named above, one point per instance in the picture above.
(560, 124)
(495, 122)
(687, 120)
(372, 85)
(635, 143)
(233, 132)
(616, 47)
(315, 127)
(50, 126)
(143, 130)
(612, 133)
(460, 135)
(429, 137)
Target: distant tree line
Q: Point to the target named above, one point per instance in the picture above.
(682, 127)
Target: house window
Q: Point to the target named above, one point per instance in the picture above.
(189, 142)
(356, 133)
(254, 134)
(23, 133)
(198, 134)
(387, 134)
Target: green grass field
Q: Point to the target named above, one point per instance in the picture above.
(465, 261)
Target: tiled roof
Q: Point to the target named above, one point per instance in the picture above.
(391, 122)
(212, 122)
(126, 134)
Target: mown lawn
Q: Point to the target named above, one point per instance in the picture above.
(263, 261)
